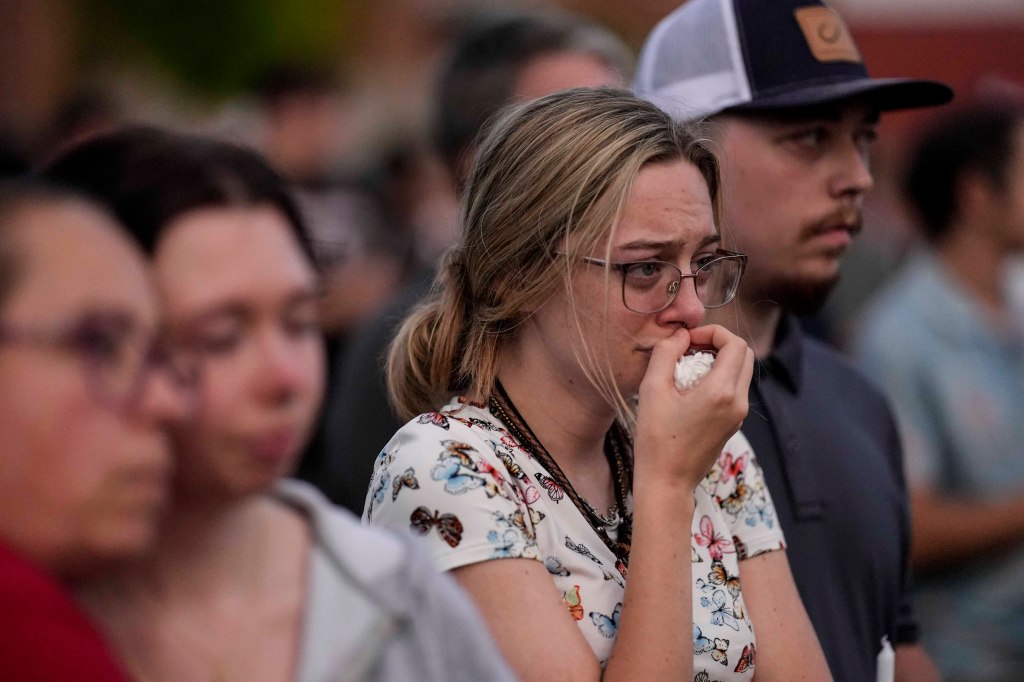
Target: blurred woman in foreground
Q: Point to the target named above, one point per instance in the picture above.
(254, 577)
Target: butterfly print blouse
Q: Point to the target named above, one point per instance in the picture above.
(459, 479)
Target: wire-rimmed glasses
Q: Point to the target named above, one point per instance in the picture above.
(116, 355)
(650, 286)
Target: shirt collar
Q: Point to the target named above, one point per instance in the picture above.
(786, 359)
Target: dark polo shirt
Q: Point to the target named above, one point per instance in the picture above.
(830, 452)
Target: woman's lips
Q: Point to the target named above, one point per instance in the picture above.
(273, 447)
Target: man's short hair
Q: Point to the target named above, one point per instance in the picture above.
(487, 60)
(976, 139)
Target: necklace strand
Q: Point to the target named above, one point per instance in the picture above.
(615, 443)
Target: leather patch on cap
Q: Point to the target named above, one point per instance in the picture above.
(826, 35)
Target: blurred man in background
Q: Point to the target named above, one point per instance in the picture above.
(793, 115)
(945, 339)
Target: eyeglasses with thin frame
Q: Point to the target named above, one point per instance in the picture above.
(116, 356)
(650, 286)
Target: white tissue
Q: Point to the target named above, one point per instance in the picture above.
(690, 369)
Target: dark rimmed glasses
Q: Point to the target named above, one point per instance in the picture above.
(650, 286)
(116, 355)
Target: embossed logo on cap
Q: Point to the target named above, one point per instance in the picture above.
(826, 35)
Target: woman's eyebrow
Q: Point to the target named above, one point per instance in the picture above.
(651, 245)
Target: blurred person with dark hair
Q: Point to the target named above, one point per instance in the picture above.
(254, 577)
(946, 341)
(81, 114)
(793, 112)
(498, 59)
(359, 244)
(86, 397)
(13, 161)
(303, 137)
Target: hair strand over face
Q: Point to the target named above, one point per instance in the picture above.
(551, 179)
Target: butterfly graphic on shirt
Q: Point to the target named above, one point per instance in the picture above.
(695, 556)
(730, 467)
(511, 465)
(716, 544)
(759, 508)
(386, 458)
(720, 576)
(581, 549)
(747, 659)
(705, 587)
(733, 503)
(448, 525)
(504, 543)
(435, 418)
(555, 491)
(406, 480)
(720, 614)
(382, 485)
(703, 676)
(556, 567)
(484, 424)
(518, 520)
(458, 471)
(510, 442)
(527, 491)
(571, 599)
(717, 647)
(608, 626)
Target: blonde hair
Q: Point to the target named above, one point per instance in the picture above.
(548, 185)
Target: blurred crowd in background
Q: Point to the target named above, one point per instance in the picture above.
(337, 96)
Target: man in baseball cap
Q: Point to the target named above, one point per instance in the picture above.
(793, 112)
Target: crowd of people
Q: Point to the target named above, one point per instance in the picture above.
(214, 359)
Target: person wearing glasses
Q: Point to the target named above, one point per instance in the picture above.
(86, 396)
(601, 518)
(254, 577)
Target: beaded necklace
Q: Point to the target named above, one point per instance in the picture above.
(616, 445)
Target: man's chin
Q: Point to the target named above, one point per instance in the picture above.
(801, 296)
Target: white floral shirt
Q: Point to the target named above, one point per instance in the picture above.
(459, 478)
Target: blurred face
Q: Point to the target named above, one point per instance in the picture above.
(561, 71)
(793, 189)
(1008, 209)
(667, 217)
(84, 471)
(238, 290)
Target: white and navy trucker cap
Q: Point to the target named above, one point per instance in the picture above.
(709, 56)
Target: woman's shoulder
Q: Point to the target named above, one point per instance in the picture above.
(459, 417)
(461, 432)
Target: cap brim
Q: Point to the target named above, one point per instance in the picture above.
(886, 94)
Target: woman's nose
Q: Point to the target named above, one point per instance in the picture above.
(685, 309)
(288, 366)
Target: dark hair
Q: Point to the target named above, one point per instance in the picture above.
(15, 197)
(977, 139)
(148, 177)
(486, 62)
